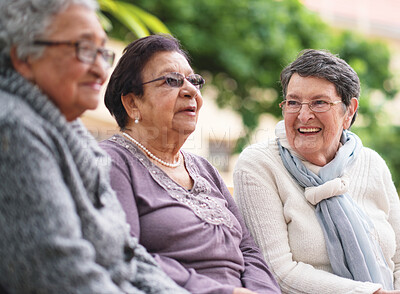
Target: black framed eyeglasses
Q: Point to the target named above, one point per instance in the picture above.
(293, 106)
(176, 80)
(86, 51)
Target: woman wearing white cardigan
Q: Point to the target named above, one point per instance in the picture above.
(322, 207)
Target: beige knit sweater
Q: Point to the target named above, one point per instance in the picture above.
(286, 228)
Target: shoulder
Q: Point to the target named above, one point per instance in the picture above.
(21, 128)
(121, 153)
(371, 159)
(259, 156)
(14, 110)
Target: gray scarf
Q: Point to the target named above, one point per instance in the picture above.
(79, 141)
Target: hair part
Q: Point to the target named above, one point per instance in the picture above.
(127, 75)
(325, 65)
(24, 21)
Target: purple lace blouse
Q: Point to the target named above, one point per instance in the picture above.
(197, 236)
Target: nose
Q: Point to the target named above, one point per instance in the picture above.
(100, 66)
(305, 114)
(188, 90)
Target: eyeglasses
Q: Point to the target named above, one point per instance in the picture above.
(293, 106)
(176, 80)
(86, 51)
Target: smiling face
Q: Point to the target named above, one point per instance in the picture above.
(72, 85)
(165, 109)
(316, 136)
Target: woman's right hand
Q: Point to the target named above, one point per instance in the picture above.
(247, 291)
(381, 291)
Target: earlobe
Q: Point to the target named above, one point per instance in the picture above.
(351, 110)
(128, 101)
(21, 66)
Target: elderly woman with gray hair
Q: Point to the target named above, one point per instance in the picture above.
(322, 207)
(62, 228)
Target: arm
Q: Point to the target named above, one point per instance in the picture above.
(394, 220)
(259, 179)
(257, 276)
(41, 244)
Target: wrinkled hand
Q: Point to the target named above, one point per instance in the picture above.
(247, 291)
(381, 291)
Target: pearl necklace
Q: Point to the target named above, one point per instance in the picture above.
(151, 155)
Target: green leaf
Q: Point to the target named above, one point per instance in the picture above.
(134, 18)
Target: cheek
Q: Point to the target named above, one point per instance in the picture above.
(334, 130)
(289, 123)
(199, 100)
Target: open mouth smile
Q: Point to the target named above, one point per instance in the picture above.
(309, 130)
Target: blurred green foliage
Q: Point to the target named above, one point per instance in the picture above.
(242, 46)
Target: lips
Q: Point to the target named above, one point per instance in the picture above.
(189, 109)
(309, 130)
(95, 85)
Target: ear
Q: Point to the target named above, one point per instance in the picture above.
(129, 101)
(351, 110)
(21, 66)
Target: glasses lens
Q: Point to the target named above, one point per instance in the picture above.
(196, 80)
(108, 56)
(292, 106)
(320, 105)
(174, 80)
(86, 52)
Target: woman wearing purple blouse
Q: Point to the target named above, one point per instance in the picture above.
(176, 202)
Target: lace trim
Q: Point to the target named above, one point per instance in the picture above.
(197, 199)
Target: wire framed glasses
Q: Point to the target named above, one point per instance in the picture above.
(294, 106)
(176, 80)
(86, 51)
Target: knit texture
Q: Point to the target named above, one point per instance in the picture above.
(62, 228)
(286, 228)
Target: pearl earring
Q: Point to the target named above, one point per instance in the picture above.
(136, 120)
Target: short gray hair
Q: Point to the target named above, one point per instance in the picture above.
(325, 65)
(23, 21)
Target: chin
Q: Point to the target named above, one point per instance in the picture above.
(92, 105)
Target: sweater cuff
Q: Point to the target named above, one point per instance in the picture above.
(366, 287)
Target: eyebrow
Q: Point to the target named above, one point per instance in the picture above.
(91, 37)
(294, 96)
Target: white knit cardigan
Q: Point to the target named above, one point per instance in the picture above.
(285, 226)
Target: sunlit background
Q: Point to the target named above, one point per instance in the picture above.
(241, 46)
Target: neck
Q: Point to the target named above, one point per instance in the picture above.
(319, 161)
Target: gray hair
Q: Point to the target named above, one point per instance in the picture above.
(325, 65)
(23, 21)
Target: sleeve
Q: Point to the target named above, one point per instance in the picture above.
(394, 220)
(256, 276)
(256, 190)
(41, 244)
(187, 278)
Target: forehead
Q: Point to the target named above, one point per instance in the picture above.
(166, 61)
(76, 22)
(310, 86)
